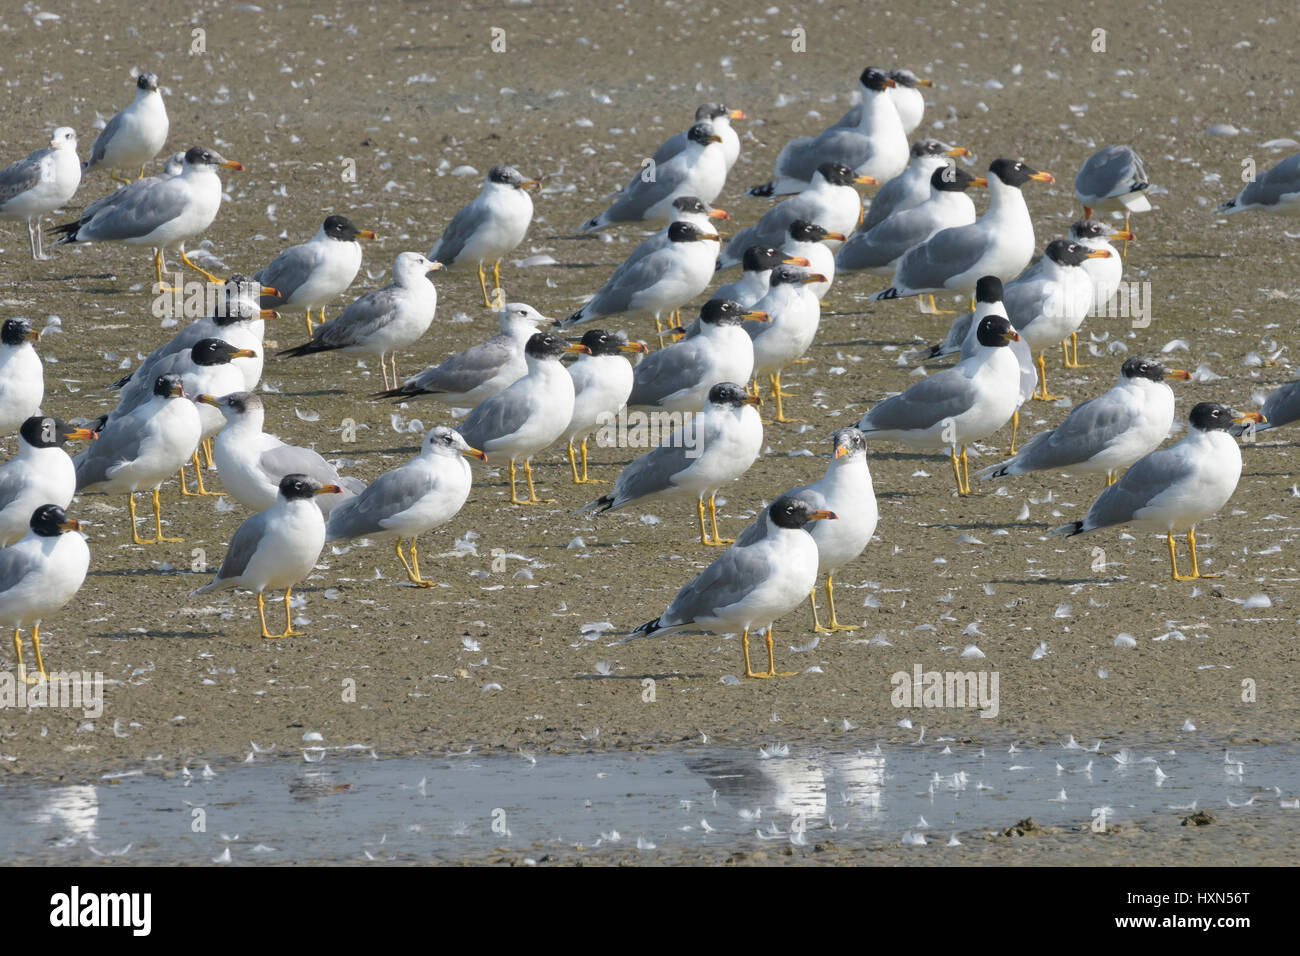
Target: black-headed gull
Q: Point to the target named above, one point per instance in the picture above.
(602, 382)
(312, 273)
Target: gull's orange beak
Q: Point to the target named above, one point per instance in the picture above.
(638, 348)
(890, 82)
(178, 391)
(980, 181)
(841, 451)
(577, 347)
(70, 525)
(713, 238)
(926, 83)
(815, 277)
(737, 114)
(80, 434)
(1124, 235)
(1179, 373)
(822, 515)
(957, 150)
(1042, 177)
(755, 315)
(751, 400)
(328, 490)
(475, 453)
(233, 164)
(269, 290)
(836, 236)
(1011, 336)
(866, 180)
(1255, 417)
(366, 234)
(33, 336)
(243, 353)
(1099, 254)
(268, 314)
(715, 138)
(797, 261)
(718, 214)
(531, 184)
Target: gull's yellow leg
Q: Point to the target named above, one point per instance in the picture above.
(699, 511)
(203, 272)
(1041, 394)
(514, 497)
(965, 472)
(121, 179)
(401, 556)
(1123, 252)
(135, 536)
(288, 625)
(415, 562)
(496, 275)
(261, 616)
(207, 452)
(1070, 352)
(771, 660)
(1173, 561)
(817, 625)
(1191, 546)
(36, 649)
(309, 325)
(157, 519)
(392, 361)
(1015, 427)
(141, 175)
(585, 479)
(835, 625)
(774, 386)
(198, 476)
(713, 519)
(751, 387)
(659, 326)
(744, 646)
(482, 284)
(532, 494)
(956, 469)
(573, 464)
(185, 492)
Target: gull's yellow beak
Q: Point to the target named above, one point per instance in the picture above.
(269, 290)
(836, 236)
(1179, 373)
(638, 348)
(957, 150)
(755, 315)
(70, 525)
(1042, 177)
(1255, 417)
(80, 434)
(980, 181)
(243, 353)
(475, 453)
(797, 261)
(1099, 254)
(1124, 235)
(751, 400)
(268, 314)
(926, 83)
(737, 114)
(328, 490)
(1011, 336)
(822, 515)
(33, 336)
(531, 184)
(233, 164)
(366, 234)
(208, 400)
(815, 277)
(577, 347)
(866, 180)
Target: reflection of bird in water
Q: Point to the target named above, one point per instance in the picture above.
(314, 784)
(70, 813)
(780, 786)
(856, 786)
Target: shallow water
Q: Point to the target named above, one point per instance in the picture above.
(706, 801)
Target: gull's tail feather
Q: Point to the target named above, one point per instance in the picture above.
(1067, 530)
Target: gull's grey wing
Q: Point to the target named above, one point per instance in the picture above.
(955, 340)
(361, 319)
(640, 195)
(1267, 190)
(11, 486)
(1023, 300)
(1112, 171)
(463, 225)
(120, 441)
(1282, 406)
(138, 214)
(17, 178)
(467, 370)
(243, 545)
(495, 417)
(943, 395)
(727, 581)
(887, 241)
(836, 144)
(100, 146)
(667, 150)
(773, 227)
(391, 493)
(1088, 429)
(116, 196)
(652, 472)
(287, 271)
(616, 294)
(884, 202)
(947, 253)
(292, 460)
(15, 564)
(1138, 487)
(667, 371)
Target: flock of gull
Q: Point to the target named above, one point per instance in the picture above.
(194, 400)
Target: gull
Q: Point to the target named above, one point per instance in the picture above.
(308, 275)
(1000, 243)
(602, 382)
(38, 575)
(530, 414)
(40, 183)
(383, 320)
(768, 572)
(829, 200)
(655, 283)
(276, 548)
(1174, 488)
(489, 228)
(41, 473)
(699, 170)
(756, 264)
(1049, 308)
(252, 463)
(845, 490)
(135, 135)
(964, 403)
(139, 451)
(1106, 272)
(1105, 434)
(716, 115)
(876, 146)
(1113, 178)
(22, 374)
(808, 241)
(166, 213)
(678, 378)
(1281, 407)
(905, 96)
(911, 187)
(173, 167)
(715, 446)
(878, 247)
(423, 494)
(793, 314)
(468, 377)
(1278, 190)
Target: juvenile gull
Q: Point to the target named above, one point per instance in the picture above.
(40, 183)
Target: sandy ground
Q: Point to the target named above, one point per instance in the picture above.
(296, 90)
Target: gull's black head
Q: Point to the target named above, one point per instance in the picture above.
(215, 352)
(1138, 367)
(929, 147)
(848, 441)
(691, 205)
(1065, 252)
(146, 81)
(791, 512)
(1210, 417)
(836, 174)
(729, 394)
(801, 230)
(234, 404)
(876, 80)
(45, 431)
(507, 176)
(16, 332)
(722, 312)
(788, 275)
(1088, 229)
(951, 178)
(548, 347)
(761, 259)
(297, 487)
(50, 521)
(907, 78)
(996, 331)
(340, 227)
(988, 289)
(710, 111)
(202, 156)
(681, 231)
(1015, 173)
(169, 386)
(703, 134)
(602, 342)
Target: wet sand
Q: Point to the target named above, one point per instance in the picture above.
(297, 91)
